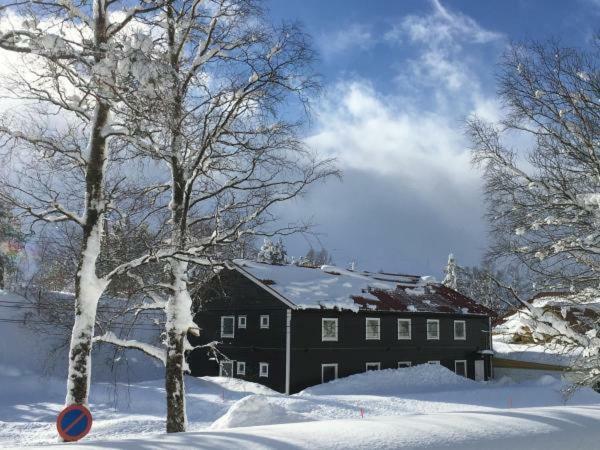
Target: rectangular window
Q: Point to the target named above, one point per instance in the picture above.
(329, 372)
(433, 329)
(372, 328)
(460, 330)
(227, 326)
(460, 367)
(372, 366)
(226, 369)
(433, 362)
(329, 329)
(241, 321)
(241, 368)
(264, 321)
(263, 369)
(404, 329)
(402, 364)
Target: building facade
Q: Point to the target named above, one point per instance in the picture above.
(291, 327)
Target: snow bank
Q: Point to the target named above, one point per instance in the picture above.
(556, 428)
(394, 382)
(256, 410)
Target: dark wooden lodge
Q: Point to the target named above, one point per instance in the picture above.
(290, 327)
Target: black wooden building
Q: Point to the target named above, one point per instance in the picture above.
(291, 327)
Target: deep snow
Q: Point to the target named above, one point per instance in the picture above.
(424, 406)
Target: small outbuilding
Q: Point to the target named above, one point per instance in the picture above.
(289, 327)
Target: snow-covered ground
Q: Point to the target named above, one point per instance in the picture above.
(419, 407)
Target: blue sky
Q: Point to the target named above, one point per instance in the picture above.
(400, 77)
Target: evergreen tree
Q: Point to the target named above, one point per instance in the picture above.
(451, 278)
(272, 253)
(11, 242)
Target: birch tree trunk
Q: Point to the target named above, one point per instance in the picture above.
(88, 287)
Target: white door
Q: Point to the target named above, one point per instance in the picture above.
(479, 370)
(226, 369)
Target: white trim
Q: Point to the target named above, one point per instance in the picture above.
(260, 370)
(436, 338)
(374, 363)
(405, 364)
(456, 361)
(232, 335)
(229, 361)
(323, 338)
(240, 321)
(334, 365)
(464, 338)
(268, 323)
(434, 362)
(288, 338)
(404, 338)
(239, 368)
(378, 338)
(266, 287)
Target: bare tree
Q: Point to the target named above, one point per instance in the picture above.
(217, 114)
(58, 168)
(543, 197)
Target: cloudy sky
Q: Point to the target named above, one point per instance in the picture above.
(400, 78)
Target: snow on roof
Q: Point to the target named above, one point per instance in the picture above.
(335, 287)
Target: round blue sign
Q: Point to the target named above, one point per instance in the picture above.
(74, 422)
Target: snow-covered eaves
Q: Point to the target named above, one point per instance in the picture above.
(330, 287)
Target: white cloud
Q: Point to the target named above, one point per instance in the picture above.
(355, 36)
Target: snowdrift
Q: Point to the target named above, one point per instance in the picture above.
(256, 410)
(394, 382)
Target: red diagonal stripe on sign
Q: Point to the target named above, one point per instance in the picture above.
(75, 422)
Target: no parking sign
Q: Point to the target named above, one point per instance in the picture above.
(74, 422)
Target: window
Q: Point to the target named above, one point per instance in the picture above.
(402, 364)
(404, 329)
(241, 368)
(433, 329)
(226, 369)
(372, 328)
(460, 330)
(264, 321)
(263, 370)
(329, 372)
(372, 366)
(241, 321)
(433, 362)
(227, 326)
(329, 329)
(460, 367)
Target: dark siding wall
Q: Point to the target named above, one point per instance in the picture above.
(352, 350)
(252, 344)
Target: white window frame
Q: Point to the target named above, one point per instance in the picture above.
(323, 366)
(323, 337)
(404, 338)
(404, 364)
(221, 368)
(240, 368)
(464, 338)
(242, 321)
(433, 338)
(265, 325)
(232, 335)
(378, 338)
(373, 363)
(260, 370)
(434, 362)
(456, 362)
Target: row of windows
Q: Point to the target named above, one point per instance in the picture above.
(329, 329)
(329, 371)
(228, 324)
(226, 368)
